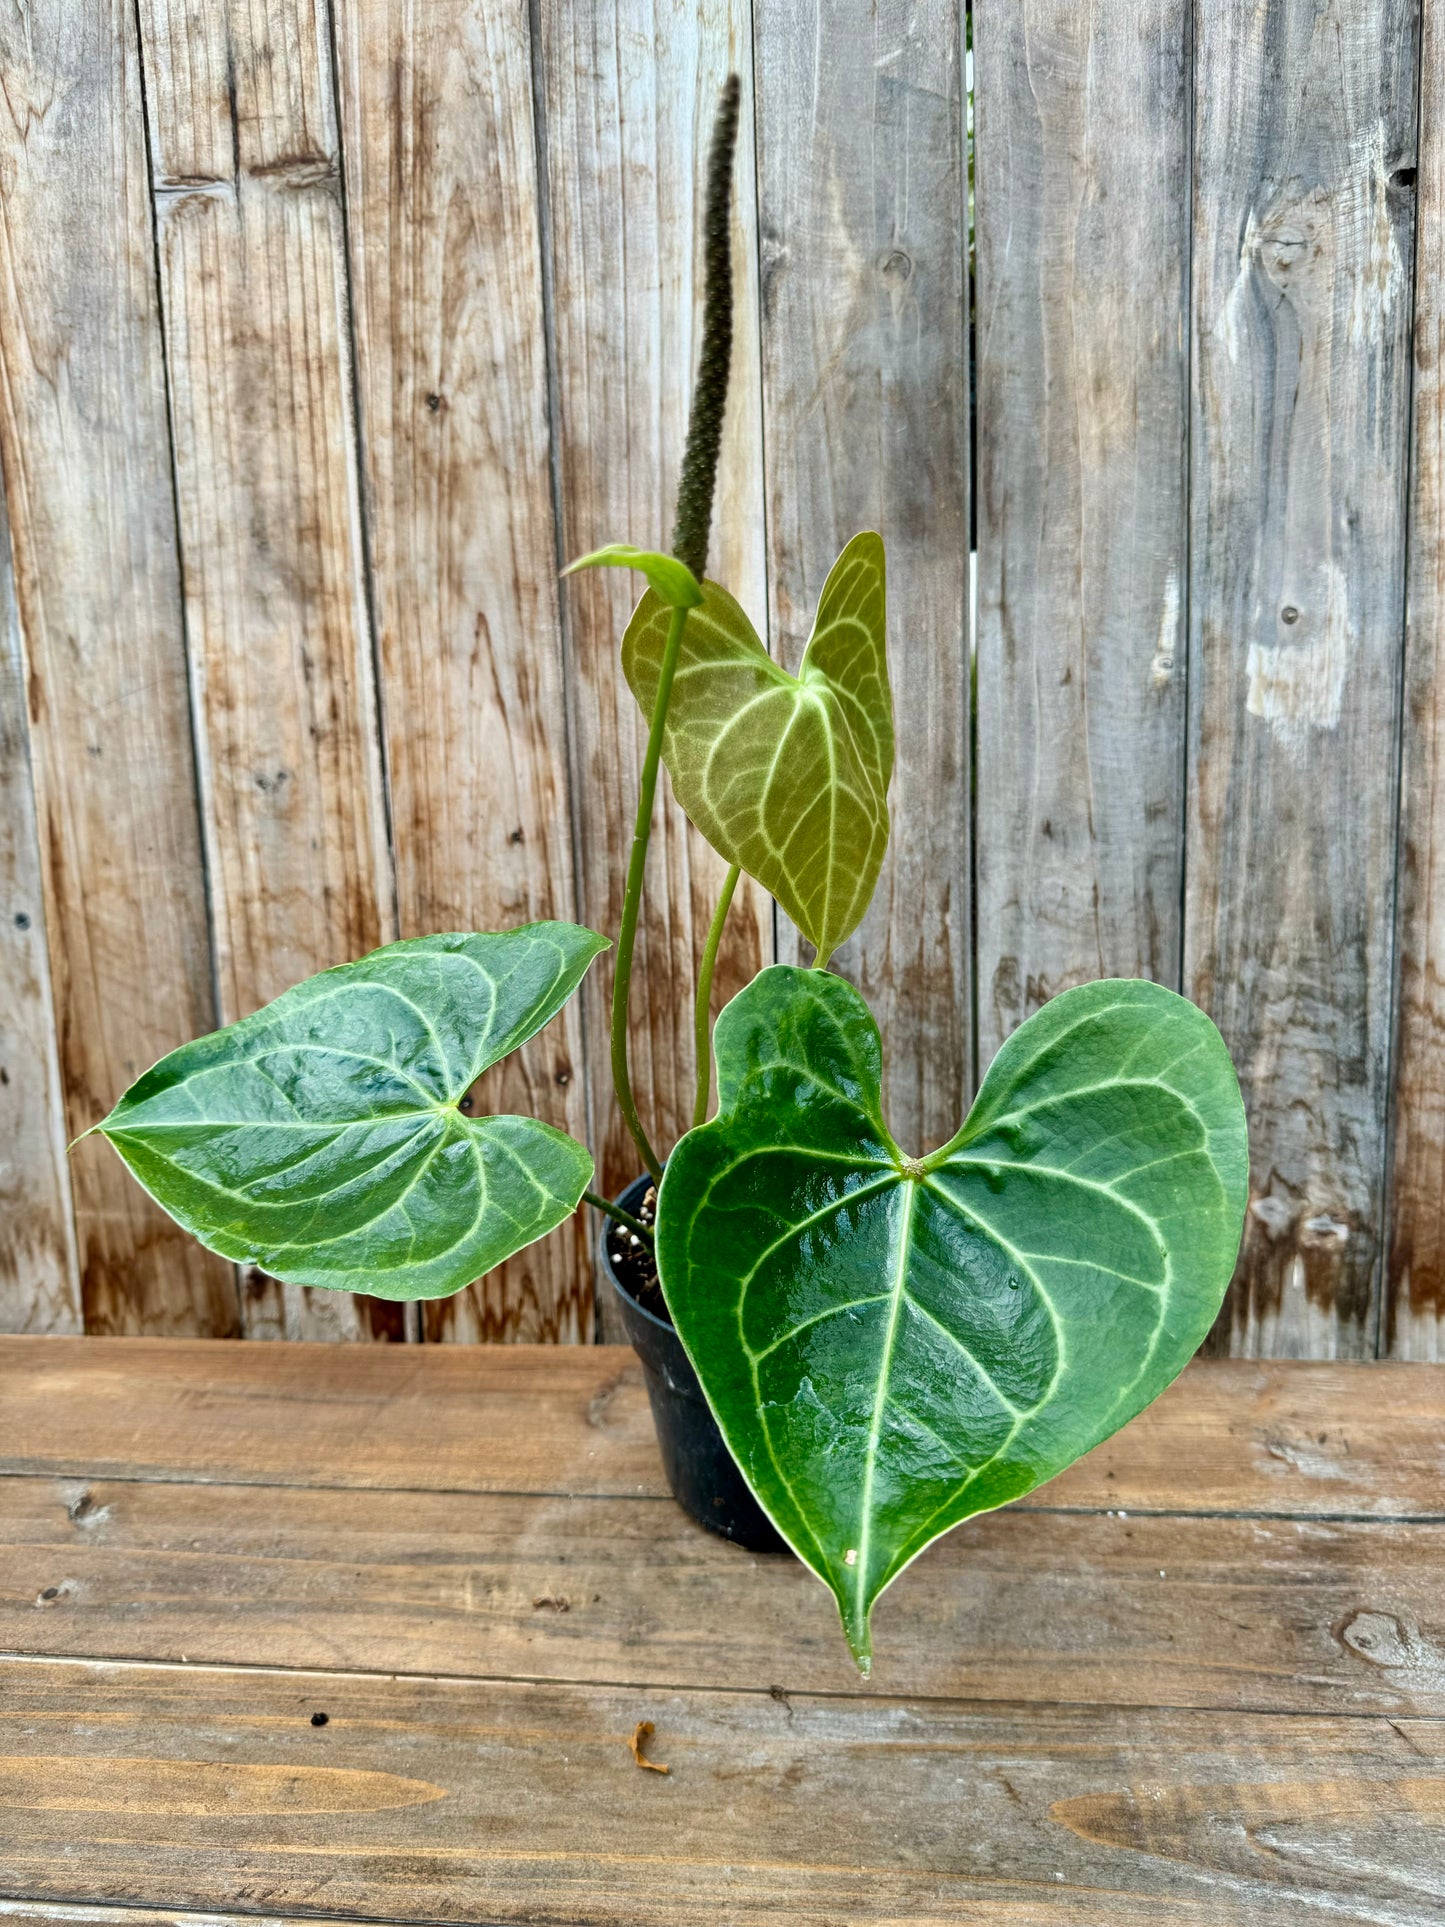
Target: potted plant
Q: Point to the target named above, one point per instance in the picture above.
(887, 1344)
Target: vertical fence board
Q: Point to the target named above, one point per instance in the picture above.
(245, 166)
(629, 92)
(1301, 391)
(444, 226)
(39, 1282)
(1083, 207)
(863, 212)
(87, 475)
(1414, 1309)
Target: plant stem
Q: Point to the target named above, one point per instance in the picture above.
(632, 900)
(616, 1215)
(704, 996)
(694, 517)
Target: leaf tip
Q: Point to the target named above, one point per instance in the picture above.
(670, 579)
(858, 1632)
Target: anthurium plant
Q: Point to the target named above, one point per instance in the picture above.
(889, 1343)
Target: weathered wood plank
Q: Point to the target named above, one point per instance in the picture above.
(525, 1418)
(447, 283)
(39, 1279)
(1299, 431)
(1144, 1609)
(59, 1913)
(1083, 396)
(625, 152)
(244, 156)
(1288, 1440)
(1414, 1288)
(862, 195)
(83, 439)
(454, 1800)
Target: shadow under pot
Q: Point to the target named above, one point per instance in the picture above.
(700, 1469)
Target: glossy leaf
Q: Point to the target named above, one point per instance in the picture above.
(320, 1138)
(891, 1345)
(786, 776)
(670, 580)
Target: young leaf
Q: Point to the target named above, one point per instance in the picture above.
(320, 1138)
(671, 581)
(786, 776)
(892, 1344)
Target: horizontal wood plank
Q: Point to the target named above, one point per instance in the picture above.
(1144, 1610)
(62, 1913)
(526, 1418)
(452, 1800)
(1298, 1440)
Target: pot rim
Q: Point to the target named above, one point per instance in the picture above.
(604, 1258)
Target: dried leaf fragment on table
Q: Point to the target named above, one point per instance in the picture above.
(641, 1734)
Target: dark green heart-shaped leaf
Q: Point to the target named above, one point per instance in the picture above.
(320, 1138)
(785, 775)
(892, 1344)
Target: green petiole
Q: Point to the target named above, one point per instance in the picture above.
(616, 1215)
(701, 1025)
(632, 900)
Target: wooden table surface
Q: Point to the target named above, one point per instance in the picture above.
(361, 1633)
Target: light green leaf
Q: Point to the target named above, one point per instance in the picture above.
(892, 1344)
(785, 775)
(320, 1138)
(671, 581)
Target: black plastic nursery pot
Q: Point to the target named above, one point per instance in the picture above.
(702, 1472)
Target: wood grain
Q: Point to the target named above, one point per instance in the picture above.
(476, 1418)
(447, 283)
(85, 449)
(1025, 1605)
(60, 1913)
(1414, 1286)
(1083, 399)
(453, 1800)
(252, 275)
(862, 186)
(1286, 1440)
(39, 1279)
(373, 1690)
(1301, 322)
(340, 580)
(625, 135)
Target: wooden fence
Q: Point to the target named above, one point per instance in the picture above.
(329, 327)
